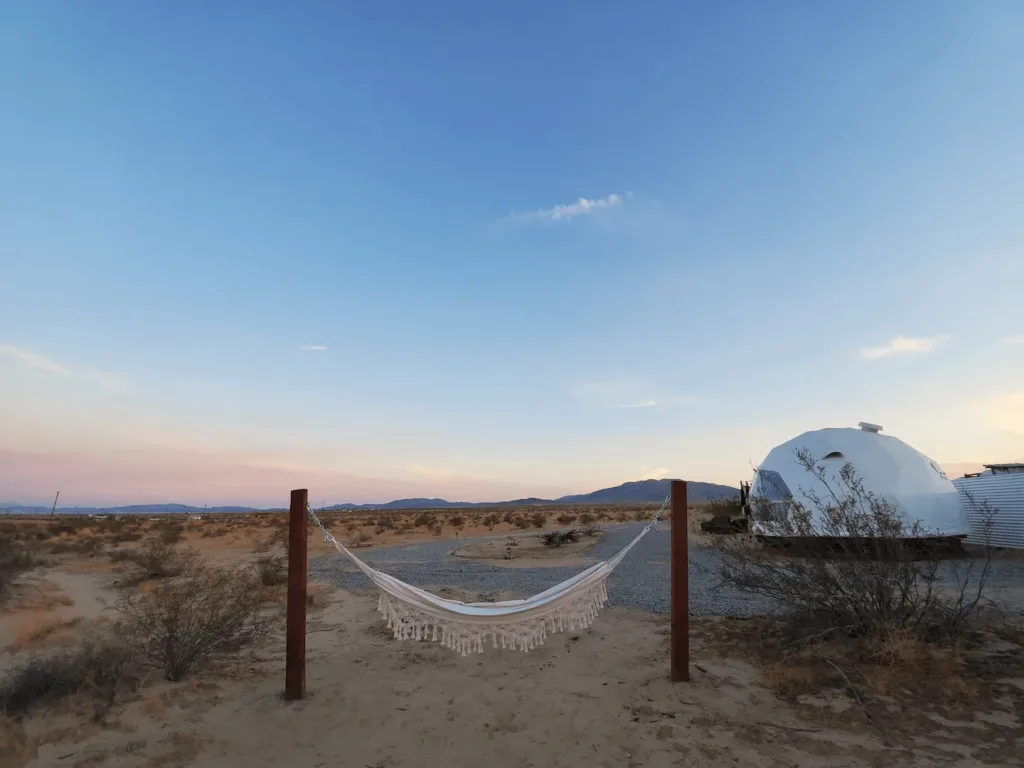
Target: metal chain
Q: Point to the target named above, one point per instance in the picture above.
(316, 521)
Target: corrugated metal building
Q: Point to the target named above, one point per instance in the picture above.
(1002, 486)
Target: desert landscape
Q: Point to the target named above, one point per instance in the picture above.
(93, 607)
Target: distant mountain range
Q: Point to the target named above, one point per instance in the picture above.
(642, 491)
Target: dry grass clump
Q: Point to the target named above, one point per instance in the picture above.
(37, 628)
(560, 538)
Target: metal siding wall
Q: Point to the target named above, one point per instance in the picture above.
(1005, 495)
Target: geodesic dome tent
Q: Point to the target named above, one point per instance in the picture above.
(888, 467)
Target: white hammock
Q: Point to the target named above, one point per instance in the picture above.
(415, 614)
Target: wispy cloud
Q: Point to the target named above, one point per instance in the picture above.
(568, 211)
(1014, 339)
(30, 359)
(312, 348)
(641, 404)
(904, 345)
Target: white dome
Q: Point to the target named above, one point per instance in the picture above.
(888, 467)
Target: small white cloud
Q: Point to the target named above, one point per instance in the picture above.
(1014, 339)
(312, 348)
(569, 211)
(646, 473)
(904, 345)
(642, 404)
(109, 381)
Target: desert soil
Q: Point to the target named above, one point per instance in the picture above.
(600, 697)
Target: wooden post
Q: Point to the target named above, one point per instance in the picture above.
(295, 641)
(679, 559)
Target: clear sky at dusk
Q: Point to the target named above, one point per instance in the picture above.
(483, 251)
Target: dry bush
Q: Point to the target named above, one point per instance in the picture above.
(155, 560)
(539, 519)
(14, 561)
(99, 666)
(363, 539)
(193, 620)
(271, 570)
(172, 532)
(589, 529)
(522, 522)
(509, 517)
(559, 538)
(423, 520)
(587, 518)
(437, 529)
(491, 520)
(846, 566)
(566, 519)
(456, 521)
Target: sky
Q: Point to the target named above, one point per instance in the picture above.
(485, 251)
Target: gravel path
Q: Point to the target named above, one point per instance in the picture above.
(641, 580)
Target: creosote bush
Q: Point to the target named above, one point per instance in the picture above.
(851, 564)
(539, 519)
(192, 620)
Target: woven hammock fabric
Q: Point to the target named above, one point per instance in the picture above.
(415, 614)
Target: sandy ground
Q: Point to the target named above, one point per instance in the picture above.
(601, 697)
(597, 698)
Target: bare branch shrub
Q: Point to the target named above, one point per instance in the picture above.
(194, 619)
(271, 570)
(851, 563)
(14, 561)
(99, 666)
(539, 519)
(589, 529)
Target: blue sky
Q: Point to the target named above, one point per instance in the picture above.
(251, 246)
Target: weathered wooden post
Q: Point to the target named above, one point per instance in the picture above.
(295, 644)
(680, 599)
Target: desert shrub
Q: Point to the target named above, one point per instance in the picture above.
(14, 560)
(522, 522)
(566, 519)
(172, 532)
(559, 538)
(846, 565)
(99, 666)
(437, 529)
(724, 508)
(193, 620)
(271, 570)
(509, 517)
(456, 521)
(586, 518)
(539, 519)
(589, 529)
(641, 515)
(363, 539)
(491, 520)
(423, 520)
(155, 560)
